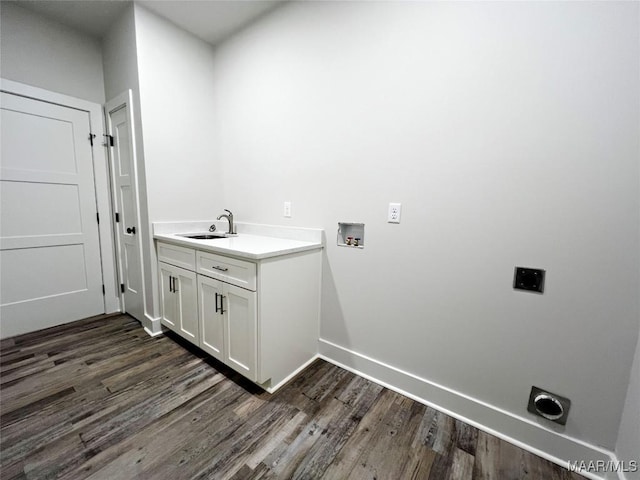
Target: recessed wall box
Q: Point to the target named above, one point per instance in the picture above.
(549, 405)
(350, 235)
(531, 279)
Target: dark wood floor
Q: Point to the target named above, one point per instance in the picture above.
(101, 399)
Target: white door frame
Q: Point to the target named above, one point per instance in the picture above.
(101, 178)
(125, 99)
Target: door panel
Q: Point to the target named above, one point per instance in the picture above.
(121, 133)
(186, 291)
(48, 202)
(33, 268)
(19, 130)
(124, 184)
(168, 300)
(127, 212)
(241, 328)
(211, 322)
(52, 209)
(132, 260)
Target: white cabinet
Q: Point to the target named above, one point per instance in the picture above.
(260, 317)
(179, 301)
(228, 311)
(228, 324)
(211, 319)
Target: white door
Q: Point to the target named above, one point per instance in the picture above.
(127, 225)
(211, 318)
(239, 308)
(49, 246)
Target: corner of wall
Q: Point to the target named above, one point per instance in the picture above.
(628, 443)
(152, 326)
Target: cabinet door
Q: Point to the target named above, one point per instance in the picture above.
(241, 330)
(211, 317)
(186, 292)
(168, 299)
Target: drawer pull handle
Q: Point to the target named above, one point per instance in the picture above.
(222, 269)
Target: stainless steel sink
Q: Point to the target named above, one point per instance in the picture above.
(202, 236)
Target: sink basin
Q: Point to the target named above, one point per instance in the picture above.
(202, 236)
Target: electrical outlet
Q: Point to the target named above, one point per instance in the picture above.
(287, 209)
(395, 210)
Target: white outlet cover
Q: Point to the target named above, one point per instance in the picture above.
(287, 209)
(395, 211)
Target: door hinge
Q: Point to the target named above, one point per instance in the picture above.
(91, 137)
(108, 140)
(103, 290)
(98, 216)
(117, 217)
(122, 287)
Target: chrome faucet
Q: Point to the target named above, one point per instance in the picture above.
(229, 217)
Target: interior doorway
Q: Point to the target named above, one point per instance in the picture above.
(50, 243)
(123, 169)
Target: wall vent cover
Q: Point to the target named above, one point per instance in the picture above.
(531, 279)
(549, 405)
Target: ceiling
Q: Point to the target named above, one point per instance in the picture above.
(210, 20)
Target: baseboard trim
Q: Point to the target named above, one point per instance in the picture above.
(293, 374)
(152, 325)
(520, 431)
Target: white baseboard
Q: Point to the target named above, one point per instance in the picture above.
(152, 325)
(520, 431)
(292, 374)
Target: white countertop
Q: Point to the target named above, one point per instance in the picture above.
(245, 245)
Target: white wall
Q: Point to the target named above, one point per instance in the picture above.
(120, 56)
(175, 70)
(45, 54)
(509, 131)
(176, 105)
(121, 75)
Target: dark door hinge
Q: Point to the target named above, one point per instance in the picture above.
(98, 216)
(91, 137)
(108, 140)
(103, 290)
(122, 287)
(117, 217)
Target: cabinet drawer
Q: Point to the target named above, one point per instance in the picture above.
(178, 256)
(230, 270)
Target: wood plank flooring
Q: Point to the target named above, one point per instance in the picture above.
(100, 399)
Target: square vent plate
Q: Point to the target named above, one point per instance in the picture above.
(530, 279)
